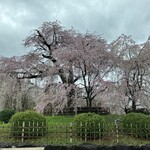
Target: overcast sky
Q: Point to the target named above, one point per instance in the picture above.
(111, 18)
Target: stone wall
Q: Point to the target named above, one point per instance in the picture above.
(84, 146)
(97, 147)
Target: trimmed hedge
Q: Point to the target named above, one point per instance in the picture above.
(6, 114)
(34, 125)
(89, 125)
(137, 125)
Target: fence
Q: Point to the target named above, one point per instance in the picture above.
(65, 134)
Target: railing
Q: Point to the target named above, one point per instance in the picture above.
(109, 134)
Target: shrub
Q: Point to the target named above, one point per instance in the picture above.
(137, 125)
(143, 111)
(6, 114)
(139, 110)
(28, 124)
(89, 125)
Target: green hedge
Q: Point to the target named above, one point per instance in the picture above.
(6, 114)
(89, 125)
(34, 125)
(137, 125)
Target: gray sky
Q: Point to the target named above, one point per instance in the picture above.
(111, 18)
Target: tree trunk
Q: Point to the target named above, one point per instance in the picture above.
(133, 105)
(88, 102)
(125, 109)
(71, 97)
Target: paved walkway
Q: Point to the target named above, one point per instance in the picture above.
(27, 148)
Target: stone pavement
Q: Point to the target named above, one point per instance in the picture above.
(27, 148)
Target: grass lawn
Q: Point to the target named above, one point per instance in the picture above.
(54, 120)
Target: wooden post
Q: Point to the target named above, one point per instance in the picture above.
(23, 129)
(43, 131)
(33, 129)
(29, 134)
(70, 132)
(99, 132)
(81, 131)
(117, 133)
(131, 131)
(85, 131)
(37, 126)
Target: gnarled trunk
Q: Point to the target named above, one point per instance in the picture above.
(71, 97)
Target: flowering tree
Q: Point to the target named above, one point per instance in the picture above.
(93, 63)
(49, 42)
(15, 94)
(54, 94)
(133, 62)
(67, 56)
(52, 56)
(72, 61)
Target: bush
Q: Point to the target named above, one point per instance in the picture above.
(89, 125)
(139, 110)
(137, 125)
(28, 124)
(6, 114)
(143, 111)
